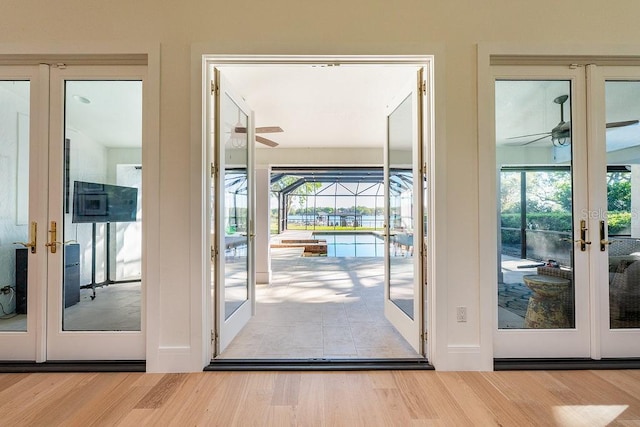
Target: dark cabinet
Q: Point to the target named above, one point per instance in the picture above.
(71, 274)
(71, 277)
(22, 258)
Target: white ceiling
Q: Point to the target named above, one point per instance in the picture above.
(322, 106)
(113, 114)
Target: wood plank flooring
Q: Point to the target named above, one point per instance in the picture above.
(375, 398)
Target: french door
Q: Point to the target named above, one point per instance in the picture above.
(566, 143)
(404, 228)
(72, 191)
(614, 213)
(233, 205)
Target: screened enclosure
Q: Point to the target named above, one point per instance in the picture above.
(332, 199)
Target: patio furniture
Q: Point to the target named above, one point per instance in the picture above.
(624, 282)
(547, 304)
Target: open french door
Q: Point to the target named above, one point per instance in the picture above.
(404, 228)
(233, 209)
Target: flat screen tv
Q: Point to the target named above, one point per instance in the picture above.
(93, 202)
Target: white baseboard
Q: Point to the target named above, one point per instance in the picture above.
(174, 359)
(464, 358)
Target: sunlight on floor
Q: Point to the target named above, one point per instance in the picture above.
(320, 308)
(587, 415)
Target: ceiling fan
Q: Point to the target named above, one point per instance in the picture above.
(561, 133)
(264, 129)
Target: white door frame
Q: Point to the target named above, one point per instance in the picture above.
(205, 61)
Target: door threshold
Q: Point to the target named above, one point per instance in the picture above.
(74, 366)
(318, 364)
(564, 364)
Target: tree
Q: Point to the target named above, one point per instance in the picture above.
(619, 191)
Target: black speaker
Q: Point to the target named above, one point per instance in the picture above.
(22, 259)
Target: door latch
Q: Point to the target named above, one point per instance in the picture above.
(34, 238)
(53, 236)
(583, 235)
(603, 241)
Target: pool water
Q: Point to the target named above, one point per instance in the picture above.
(352, 244)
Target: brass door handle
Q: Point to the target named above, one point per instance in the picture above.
(53, 235)
(34, 238)
(603, 241)
(583, 236)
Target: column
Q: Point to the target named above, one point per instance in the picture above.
(263, 213)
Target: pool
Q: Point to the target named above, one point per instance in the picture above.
(352, 244)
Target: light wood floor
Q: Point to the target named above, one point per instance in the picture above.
(376, 398)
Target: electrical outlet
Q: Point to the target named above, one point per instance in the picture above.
(461, 314)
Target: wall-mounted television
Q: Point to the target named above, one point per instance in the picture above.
(94, 202)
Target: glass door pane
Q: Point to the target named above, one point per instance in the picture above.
(534, 160)
(16, 229)
(622, 99)
(400, 220)
(102, 199)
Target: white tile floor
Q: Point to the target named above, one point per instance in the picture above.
(320, 307)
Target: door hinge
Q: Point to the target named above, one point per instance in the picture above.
(214, 170)
(214, 87)
(423, 336)
(214, 252)
(422, 87)
(214, 336)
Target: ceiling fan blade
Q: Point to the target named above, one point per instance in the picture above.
(528, 136)
(530, 142)
(266, 141)
(263, 129)
(621, 124)
(269, 129)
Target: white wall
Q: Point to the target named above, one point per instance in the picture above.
(453, 28)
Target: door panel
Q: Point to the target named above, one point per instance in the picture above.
(543, 287)
(614, 211)
(235, 278)
(403, 262)
(94, 239)
(21, 254)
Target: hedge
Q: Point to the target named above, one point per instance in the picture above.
(619, 222)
